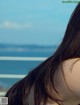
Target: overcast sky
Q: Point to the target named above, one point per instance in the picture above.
(41, 22)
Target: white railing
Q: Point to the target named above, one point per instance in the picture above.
(18, 59)
(2, 93)
(23, 58)
(11, 76)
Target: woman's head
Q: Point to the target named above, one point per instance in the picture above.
(42, 77)
(71, 41)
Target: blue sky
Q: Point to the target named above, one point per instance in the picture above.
(41, 22)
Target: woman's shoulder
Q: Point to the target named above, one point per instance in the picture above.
(72, 74)
(71, 68)
(71, 65)
(30, 98)
(70, 60)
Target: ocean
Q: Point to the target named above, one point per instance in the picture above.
(21, 67)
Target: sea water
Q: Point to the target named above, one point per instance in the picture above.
(20, 67)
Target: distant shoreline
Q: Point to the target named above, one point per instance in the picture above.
(26, 45)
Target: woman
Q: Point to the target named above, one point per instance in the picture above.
(56, 81)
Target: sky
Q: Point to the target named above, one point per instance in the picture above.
(41, 22)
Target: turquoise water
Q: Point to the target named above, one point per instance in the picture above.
(15, 67)
(20, 67)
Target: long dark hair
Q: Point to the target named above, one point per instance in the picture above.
(42, 77)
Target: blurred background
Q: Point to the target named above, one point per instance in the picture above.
(30, 32)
